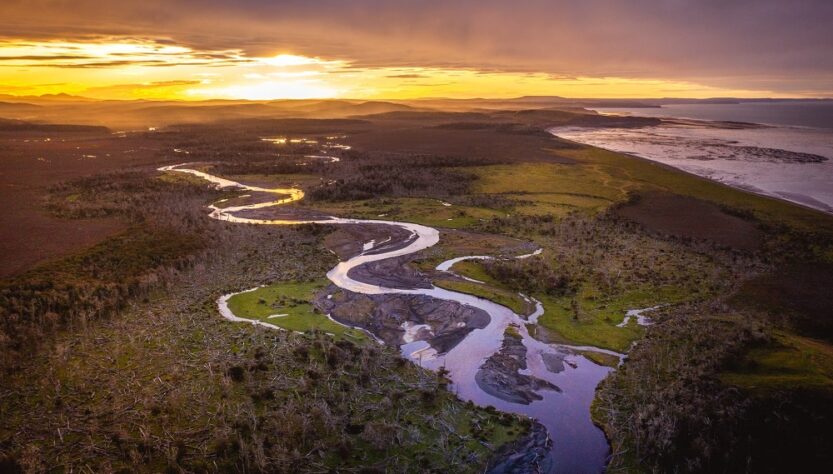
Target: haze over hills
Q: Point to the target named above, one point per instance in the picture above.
(137, 114)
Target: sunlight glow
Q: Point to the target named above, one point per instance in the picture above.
(283, 60)
(129, 69)
(269, 90)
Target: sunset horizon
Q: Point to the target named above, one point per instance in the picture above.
(262, 51)
(302, 77)
(416, 236)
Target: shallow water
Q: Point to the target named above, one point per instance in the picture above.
(773, 160)
(578, 445)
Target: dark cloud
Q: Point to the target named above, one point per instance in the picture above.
(774, 44)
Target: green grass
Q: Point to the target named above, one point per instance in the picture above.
(601, 358)
(558, 204)
(426, 211)
(180, 178)
(502, 297)
(291, 299)
(790, 362)
(474, 269)
(549, 188)
(633, 174)
(598, 316)
(601, 178)
(454, 244)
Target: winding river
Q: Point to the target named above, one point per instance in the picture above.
(578, 445)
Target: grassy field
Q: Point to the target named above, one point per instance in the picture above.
(788, 362)
(588, 318)
(489, 289)
(546, 188)
(455, 244)
(637, 174)
(591, 318)
(497, 295)
(599, 311)
(287, 305)
(473, 269)
(430, 212)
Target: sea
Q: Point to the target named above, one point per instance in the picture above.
(779, 149)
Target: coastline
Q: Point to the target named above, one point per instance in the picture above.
(670, 167)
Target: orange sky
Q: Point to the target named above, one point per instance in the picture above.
(133, 70)
(255, 49)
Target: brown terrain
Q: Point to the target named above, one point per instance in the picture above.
(798, 294)
(347, 241)
(35, 160)
(482, 143)
(690, 218)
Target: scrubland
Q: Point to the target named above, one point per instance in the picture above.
(115, 357)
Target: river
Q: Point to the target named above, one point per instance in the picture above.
(578, 445)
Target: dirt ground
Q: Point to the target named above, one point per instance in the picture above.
(687, 217)
(32, 162)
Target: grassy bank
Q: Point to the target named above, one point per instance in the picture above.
(288, 305)
(502, 297)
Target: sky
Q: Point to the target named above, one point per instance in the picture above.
(372, 49)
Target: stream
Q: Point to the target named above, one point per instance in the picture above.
(578, 445)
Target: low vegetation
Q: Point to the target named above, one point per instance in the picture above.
(164, 383)
(287, 306)
(168, 231)
(426, 211)
(673, 406)
(169, 385)
(500, 296)
(115, 357)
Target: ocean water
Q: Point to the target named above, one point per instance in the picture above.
(814, 114)
(790, 156)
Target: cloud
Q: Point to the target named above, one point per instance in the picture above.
(139, 89)
(110, 52)
(407, 76)
(782, 45)
(171, 83)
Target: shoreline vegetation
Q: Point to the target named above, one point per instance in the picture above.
(720, 372)
(758, 194)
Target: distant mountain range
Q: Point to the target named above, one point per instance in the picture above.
(139, 114)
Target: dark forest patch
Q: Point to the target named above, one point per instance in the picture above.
(482, 143)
